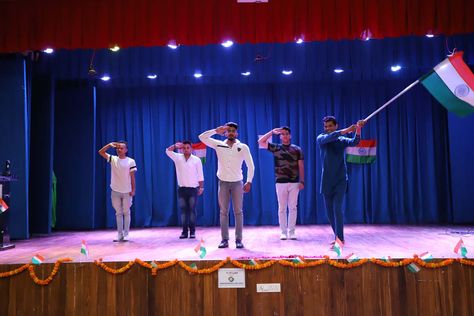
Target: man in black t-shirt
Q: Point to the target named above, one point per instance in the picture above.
(289, 177)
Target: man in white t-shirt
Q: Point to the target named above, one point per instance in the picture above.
(122, 183)
(190, 184)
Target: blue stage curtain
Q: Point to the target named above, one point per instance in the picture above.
(407, 184)
(410, 182)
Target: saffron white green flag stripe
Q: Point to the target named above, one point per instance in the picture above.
(452, 83)
(364, 152)
(460, 248)
(84, 248)
(3, 206)
(297, 260)
(338, 247)
(37, 259)
(199, 150)
(253, 262)
(200, 249)
(413, 267)
(193, 266)
(352, 258)
(426, 256)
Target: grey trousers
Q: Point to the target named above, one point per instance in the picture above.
(122, 202)
(226, 191)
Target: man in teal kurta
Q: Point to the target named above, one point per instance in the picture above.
(332, 145)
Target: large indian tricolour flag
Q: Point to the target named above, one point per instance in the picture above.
(199, 150)
(364, 152)
(452, 83)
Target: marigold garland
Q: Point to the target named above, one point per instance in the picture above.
(121, 270)
(159, 266)
(206, 270)
(258, 266)
(14, 272)
(50, 278)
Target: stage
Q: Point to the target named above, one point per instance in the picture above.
(119, 279)
(262, 242)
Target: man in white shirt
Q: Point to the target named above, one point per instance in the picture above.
(230, 155)
(122, 183)
(190, 184)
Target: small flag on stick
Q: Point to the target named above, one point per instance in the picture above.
(37, 259)
(84, 248)
(3, 206)
(460, 248)
(413, 267)
(338, 247)
(200, 249)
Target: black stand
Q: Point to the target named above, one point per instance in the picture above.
(5, 180)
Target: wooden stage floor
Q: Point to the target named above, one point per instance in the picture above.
(162, 244)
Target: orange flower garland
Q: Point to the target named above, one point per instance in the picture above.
(114, 271)
(206, 270)
(14, 272)
(286, 263)
(50, 278)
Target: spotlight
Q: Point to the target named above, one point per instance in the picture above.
(105, 78)
(429, 35)
(299, 41)
(152, 76)
(197, 75)
(338, 70)
(116, 48)
(287, 72)
(227, 43)
(48, 50)
(173, 45)
(395, 68)
(247, 73)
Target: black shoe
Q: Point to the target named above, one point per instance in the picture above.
(224, 243)
(192, 235)
(183, 235)
(239, 244)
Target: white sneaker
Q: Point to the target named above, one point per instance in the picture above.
(283, 237)
(119, 238)
(293, 236)
(125, 238)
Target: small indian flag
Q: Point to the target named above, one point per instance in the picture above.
(352, 258)
(364, 152)
(153, 264)
(200, 249)
(413, 267)
(253, 262)
(338, 247)
(199, 150)
(84, 248)
(37, 259)
(386, 258)
(193, 266)
(426, 256)
(451, 82)
(460, 248)
(297, 260)
(3, 206)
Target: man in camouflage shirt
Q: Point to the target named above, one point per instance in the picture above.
(289, 177)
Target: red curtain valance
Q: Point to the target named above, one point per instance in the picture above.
(37, 24)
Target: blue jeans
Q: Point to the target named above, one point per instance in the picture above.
(187, 198)
(333, 202)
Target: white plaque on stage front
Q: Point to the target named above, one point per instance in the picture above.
(231, 278)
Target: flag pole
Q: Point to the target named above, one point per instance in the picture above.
(391, 100)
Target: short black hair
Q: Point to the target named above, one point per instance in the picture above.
(232, 124)
(286, 128)
(187, 142)
(123, 142)
(330, 119)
